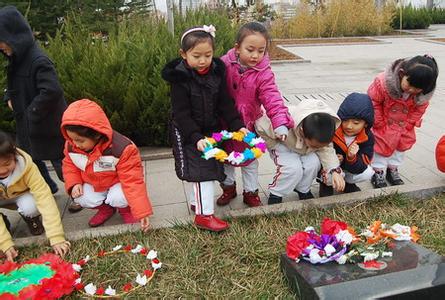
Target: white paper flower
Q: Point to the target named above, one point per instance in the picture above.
(141, 280)
(226, 134)
(344, 236)
(152, 254)
(211, 153)
(297, 260)
(110, 291)
(257, 141)
(156, 265)
(329, 249)
(314, 256)
(118, 247)
(235, 160)
(90, 289)
(403, 232)
(370, 256)
(76, 267)
(137, 249)
(87, 258)
(309, 228)
(386, 254)
(342, 259)
(310, 247)
(367, 233)
(77, 281)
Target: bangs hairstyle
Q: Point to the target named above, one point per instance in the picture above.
(319, 126)
(84, 131)
(195, 37)
(7, 145)
(252, 28)
(422, 72)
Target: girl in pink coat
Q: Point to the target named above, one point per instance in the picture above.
(251, 83)
(400, 96)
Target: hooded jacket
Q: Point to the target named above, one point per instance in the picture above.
(395, 117)
(115, 159)
(26, 178)
(33, 88)
(440, 154)
(295, 140)
(356, 106)
(253, 89)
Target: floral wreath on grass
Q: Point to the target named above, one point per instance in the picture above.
(339, 242)
(92, 290)
(46, 277)
(257, 147)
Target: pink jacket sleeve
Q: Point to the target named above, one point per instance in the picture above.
(375, 92)
(272, 101)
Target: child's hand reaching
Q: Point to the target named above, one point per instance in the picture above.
(11, 253)
(201, 145)
(62, 248)
(352, 150)
(77, 191)
(145, 224)
(338, 182)
(281, 133)
(244, 130)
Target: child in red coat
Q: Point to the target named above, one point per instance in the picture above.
(400, 97)
(102, 168)
(440, 154)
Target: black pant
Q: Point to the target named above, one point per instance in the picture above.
(57, 164)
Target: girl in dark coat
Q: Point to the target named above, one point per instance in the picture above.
(199, 99)
(33, 93)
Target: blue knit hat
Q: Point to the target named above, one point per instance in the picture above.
(357, 106)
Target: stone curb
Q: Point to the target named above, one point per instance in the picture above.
(431, 41)
(416, 191)
(337, 44)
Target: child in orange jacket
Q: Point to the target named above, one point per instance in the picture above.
(440, 154)
(102, 168)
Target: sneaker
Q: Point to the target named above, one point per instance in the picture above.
(393, 177)
(252, 199)
(325, 190)
(351, 188)
(35, 226)
(126, 215)
(378, 180)
(210, 222)
(229, 193)
(274, 199)
(304, 196)
(7, 223)
(104, 212)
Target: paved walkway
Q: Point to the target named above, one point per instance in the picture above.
(334, 71)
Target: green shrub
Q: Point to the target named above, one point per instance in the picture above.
(122, 71)
(437, 15)
(412, 18)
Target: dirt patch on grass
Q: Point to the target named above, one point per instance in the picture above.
(277, 53)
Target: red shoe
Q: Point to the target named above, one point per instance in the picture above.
(252, 199)
(229, 192)
(211, 223)
(126, 215)
(103, 214)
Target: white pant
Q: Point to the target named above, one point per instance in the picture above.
(364, 176)
(249, 174)
(201, 194)
(114, 197)
(293, 171)
(26, 205)
(382, 162)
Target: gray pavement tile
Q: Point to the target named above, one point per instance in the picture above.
(164, 188)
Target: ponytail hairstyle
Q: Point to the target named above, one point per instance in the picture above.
(252, 28)
(421, 72)
(8, 148)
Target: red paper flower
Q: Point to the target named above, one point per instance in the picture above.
(128, 248)
(332, 227)
(101, 253)
(372, 264)
(148, 273)
(127, 287)
(296, 243)
(155, 260)
(79, 286)
(144, 251)
(81, 262)
(100, 291)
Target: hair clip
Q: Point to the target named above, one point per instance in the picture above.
(210, 29)
(429, 56)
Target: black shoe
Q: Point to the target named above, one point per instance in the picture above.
(304, 196)
(54, 188)
(274, 199)
(7, 223)
(351, 188)
(393, 177)
(35, 225)
(74, 207)
(325, 190)
(378, 180)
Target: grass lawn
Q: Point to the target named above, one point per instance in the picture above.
(244, 261)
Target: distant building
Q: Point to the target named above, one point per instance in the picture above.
(286, 8)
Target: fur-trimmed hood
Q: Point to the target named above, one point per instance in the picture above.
(392, 83)
(177, 70)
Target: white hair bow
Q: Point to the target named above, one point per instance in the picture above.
(209, 29)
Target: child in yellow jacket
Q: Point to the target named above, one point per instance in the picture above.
(22, 185)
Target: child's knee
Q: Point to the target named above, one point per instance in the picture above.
(26, 206)
(116, 197)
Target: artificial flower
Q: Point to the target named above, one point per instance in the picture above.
(137, 249)
(148, 273)
(344, 236)
(101, 253)
(127, 287)
(110, 291)
(118, 247)
(314, 256)
(296, 243)
(368, 256)
(100, 291)
(76, 267)
(332, 227)
(152, 254)
(156, 265)
(141, 280)
(342, 259)
(329, 249)
(238, 136)
(386, 254)
(90, 289)
(221, 156)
